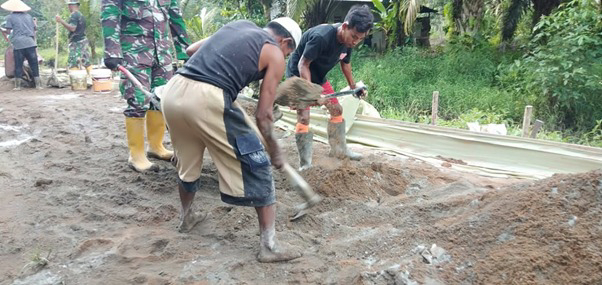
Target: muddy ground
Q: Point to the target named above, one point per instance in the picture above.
(73, 213)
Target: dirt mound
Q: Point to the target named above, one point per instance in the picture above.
(359, 181)
(546, 232)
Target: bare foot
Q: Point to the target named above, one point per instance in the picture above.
(277, 254)
(191, 220)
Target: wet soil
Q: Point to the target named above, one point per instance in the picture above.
(69, 197)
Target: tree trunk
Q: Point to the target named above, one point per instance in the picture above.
(267, 7)
(249, 7)
(92, 49)
(543, 8)
(468, 16)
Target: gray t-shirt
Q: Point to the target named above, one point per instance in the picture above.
(22, 28)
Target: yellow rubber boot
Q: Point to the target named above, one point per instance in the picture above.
(134, 128)
(155, 130)
(88, 69)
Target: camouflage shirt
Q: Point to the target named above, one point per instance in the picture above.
(138, 28)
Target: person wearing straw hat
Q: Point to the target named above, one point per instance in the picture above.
(22, 28)
(136, 35)
(79, 48)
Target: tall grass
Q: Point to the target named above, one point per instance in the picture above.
(403, 81)
(49, 54)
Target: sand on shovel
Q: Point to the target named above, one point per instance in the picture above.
(298, 93)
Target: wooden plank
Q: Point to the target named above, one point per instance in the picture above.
(536, 127)
(527, 120)
(435, 107)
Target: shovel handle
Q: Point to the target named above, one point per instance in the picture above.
(131, 77)
(338, 94)
(348, 92)
(300, 185)
(295, 178)
(56, 47)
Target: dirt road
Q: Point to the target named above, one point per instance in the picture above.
(69, 197)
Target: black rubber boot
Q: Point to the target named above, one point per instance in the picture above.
(38, 82)
(338, 143)
(304, 146)
(17, 84)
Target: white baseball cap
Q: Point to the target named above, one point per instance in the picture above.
(292, 27)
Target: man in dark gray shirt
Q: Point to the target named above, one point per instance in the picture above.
(22, 27)
(201, 112)
(79, 48)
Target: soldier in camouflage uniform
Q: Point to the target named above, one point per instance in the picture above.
(136, 35)
(79, 48)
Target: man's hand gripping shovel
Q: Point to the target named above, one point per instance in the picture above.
(150, 97)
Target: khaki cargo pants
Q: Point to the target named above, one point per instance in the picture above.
(200, 116)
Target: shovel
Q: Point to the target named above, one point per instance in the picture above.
(301, 186)
(54, 80)
(150, 97)
(299, 93)
(354, 92)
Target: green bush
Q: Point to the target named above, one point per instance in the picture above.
(561, 75)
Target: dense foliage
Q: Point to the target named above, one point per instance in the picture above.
(561, 73)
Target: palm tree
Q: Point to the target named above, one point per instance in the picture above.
(518, 8)
(468, 16)
(318, 12)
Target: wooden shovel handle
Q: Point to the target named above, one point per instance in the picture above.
(56, 47)
(131, 77)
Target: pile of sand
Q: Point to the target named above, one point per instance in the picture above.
(545, 232)
(357, 183)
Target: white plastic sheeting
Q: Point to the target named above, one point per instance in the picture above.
(486, 154)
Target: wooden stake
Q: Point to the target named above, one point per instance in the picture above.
(536, 127)
(435, 107)
(527, 120)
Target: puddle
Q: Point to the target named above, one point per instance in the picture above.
(67, 96)
(10, 128)
(13, 135)
(10, 143)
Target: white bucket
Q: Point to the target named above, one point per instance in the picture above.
(78, 79)
(100, 73)
(101, 80)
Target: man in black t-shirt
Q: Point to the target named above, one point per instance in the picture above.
(320, 49)
(79, 48)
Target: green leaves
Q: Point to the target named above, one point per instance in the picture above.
(388, 22)
(379, 6)
(563, 68)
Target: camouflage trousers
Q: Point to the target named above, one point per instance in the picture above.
(150, 77)
(79, 53)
